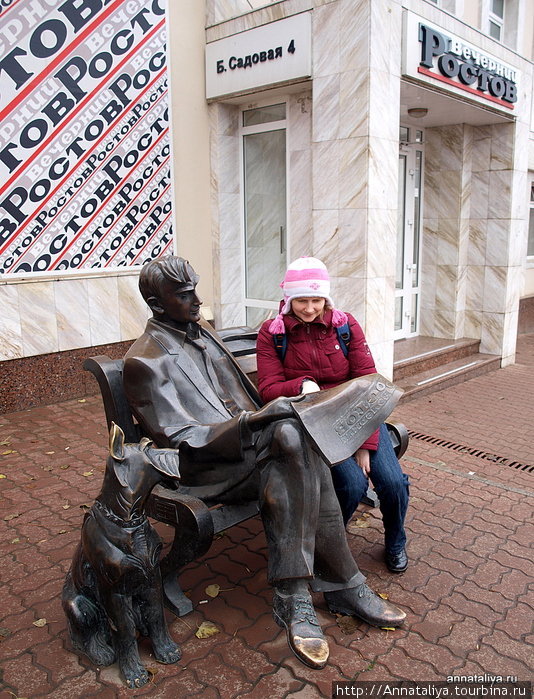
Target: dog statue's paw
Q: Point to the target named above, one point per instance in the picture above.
(169, 654)
(136, 679)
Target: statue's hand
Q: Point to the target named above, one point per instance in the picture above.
(277, 409)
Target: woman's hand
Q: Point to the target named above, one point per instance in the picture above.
(309, 386)
(363, 460)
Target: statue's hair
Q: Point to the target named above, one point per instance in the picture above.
(169, 268)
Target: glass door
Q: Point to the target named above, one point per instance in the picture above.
(408, 276)
(265, 206)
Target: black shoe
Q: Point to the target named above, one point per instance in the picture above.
(305, 637)
(397, 562)
(362, 602)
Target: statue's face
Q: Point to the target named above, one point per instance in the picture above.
(179, 305)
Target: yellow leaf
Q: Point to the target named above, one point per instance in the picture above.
(7, 518)
(2, 475)
(87, 473)
(383, 595)
(8, 451)
(66, 507)
(212, 590)
(40, 622)
(65, 466)
(82, 400)
(15, 541)
(206, 629)
(387, 628)
(50, 452)
(5, 442)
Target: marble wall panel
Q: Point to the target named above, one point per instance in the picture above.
(299, 116)
(352, 173)
(39, 325)
(326, 27)
(352, 231)
(498, 232)
(500, 188)
(450, 193)
(349, 294)
(386, 23)
(325, 235)
(381, 244)
(133, 311)
(451, 147)
(475, 289)
(477, 241)
(384, 108)
(473, 324)
(502, 147)
(448, 241)
(354, 35)
(326, 164)
(231, 282)
(495, 284)
(509, 338)
(481, 153)
(103, 295)
(354, 86)
(326, 113)
(447, 279)
(383, 174)
(444, 323)
(377, 301)
(480, 194)
(492, 334)
(10, 325)
(72, 313)
(232, 315)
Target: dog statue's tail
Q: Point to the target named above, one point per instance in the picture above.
(88, 624)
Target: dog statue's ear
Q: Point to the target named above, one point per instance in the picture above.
(116, 442)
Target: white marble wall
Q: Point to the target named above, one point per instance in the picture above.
(40, 317)
(474, 234)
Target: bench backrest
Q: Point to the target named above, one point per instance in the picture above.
(108, 373)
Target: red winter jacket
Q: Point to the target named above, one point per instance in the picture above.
(313, 352)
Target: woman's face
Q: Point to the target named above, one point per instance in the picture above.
(308, 309)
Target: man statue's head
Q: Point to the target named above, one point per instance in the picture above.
(168, 285)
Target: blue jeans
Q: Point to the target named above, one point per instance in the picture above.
(391, 486)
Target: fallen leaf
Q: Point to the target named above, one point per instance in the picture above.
(383, 595)
(347, 624)
(212, 590)
(82, 400)
(65, 466)
(47, 468)
(387, 628)
(5, 442)
(8, 451)
(206, 629)
(87, 474)
(7, 518)
(50, 452)
(2, 475)
(40, 622)
(66, 507)
(62, 531)
(15, 541)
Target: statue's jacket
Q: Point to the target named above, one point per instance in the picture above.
(168, 385)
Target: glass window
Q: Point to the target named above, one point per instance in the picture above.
(496, 19)
(264, 115)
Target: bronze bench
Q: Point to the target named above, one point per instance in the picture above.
(195, 522)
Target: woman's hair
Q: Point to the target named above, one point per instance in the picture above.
(154, 274)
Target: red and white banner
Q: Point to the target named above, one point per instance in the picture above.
(84, 137)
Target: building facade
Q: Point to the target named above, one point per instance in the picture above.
(393, 140)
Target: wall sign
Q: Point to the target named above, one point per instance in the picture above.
(84, 143)
(436, 56)
(266, 55)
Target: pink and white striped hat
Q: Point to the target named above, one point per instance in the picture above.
(306, 277)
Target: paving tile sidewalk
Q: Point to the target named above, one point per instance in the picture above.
(468, 590)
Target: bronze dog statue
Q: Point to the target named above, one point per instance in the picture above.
(113, 587)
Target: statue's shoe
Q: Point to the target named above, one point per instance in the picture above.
(362, 602)
(296, 614)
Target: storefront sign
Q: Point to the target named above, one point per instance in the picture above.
(84, 144)
(438, 57)
(267, 55)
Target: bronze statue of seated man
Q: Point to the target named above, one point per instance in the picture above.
(188, 393)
